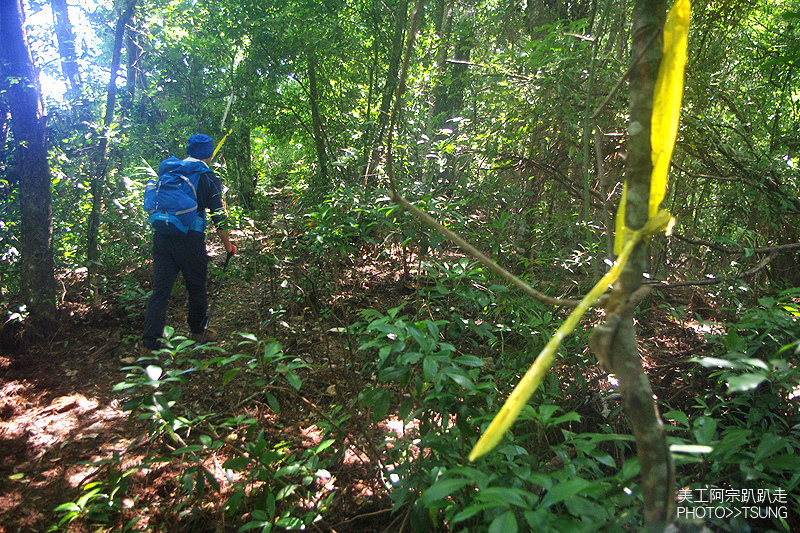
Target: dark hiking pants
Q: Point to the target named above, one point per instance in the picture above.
(173, 254)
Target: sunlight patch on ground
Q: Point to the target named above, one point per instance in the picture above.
(795, 393)
(705, 328)
(47, 429)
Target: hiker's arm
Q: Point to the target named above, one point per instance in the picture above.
(213, 200)
(226, 241)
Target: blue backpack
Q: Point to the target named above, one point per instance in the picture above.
(171, 200)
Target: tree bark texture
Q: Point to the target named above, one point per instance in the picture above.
(622, 357)
(28, 126)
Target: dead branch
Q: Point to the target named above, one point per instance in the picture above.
(780, 248)
(716, 281)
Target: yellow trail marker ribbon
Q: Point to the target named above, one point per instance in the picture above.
(666, 111)
(221, 143)
(535, 374)
(667, 98)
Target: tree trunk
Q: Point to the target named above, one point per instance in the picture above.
(448, 97)
(66, 48)
(98, 177)
(134, 52)
(37, 275)
(390, 87)
(246, 178)
(316, 121)
(622, 357)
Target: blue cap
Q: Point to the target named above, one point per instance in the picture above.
(200, 146)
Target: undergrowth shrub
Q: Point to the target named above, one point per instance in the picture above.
(268, 483)
(550, 476)
(748, 420)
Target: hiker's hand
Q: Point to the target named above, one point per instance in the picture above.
(232, 250)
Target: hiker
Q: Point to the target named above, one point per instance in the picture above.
(182, 248)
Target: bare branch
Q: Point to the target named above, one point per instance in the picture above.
(483, 258)
(739, 251)
(716, 281)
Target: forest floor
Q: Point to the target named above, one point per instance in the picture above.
(59, 413)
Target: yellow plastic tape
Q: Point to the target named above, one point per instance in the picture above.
(666, 113)
(220, 144)
(533, 377)
(667, 99)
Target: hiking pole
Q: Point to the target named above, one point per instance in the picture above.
(214, 300)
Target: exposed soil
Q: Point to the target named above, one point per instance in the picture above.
(59, 413)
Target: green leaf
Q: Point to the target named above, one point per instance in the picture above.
(273, 403)
(471, 511)
(469, 360)
(745, 382)
(505, 523)
(785, 461)
(405, 408)
(294, 380)
(256, 524)
(505, 497)
(258, 514)
(770, 444)
(546, 411)
(69, 506)
(188, 449)
(380, 404)
(564, 490)
(153, 372)
(704, 429)
(457, 375)
(604, 458)
(236, 463)
(272, 350)
(430, 368)
(677, 416)
(572, 416)
(443, 488)
(229, 375)
(715, 362)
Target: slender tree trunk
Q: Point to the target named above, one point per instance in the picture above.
(98, 177)
(66, 48)
(134, 55)
(622, 357)
(28, 124)
(448, 97)
(390, 87)
(246, 178)
(316, 122)
(440, 90)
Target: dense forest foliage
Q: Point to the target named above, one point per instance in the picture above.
(376, 155)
